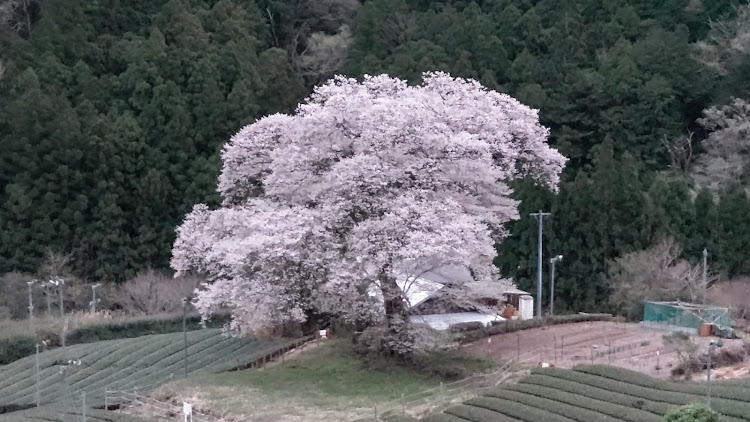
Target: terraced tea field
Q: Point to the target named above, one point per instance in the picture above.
(52, 413)
(139, 363)
(594, 393)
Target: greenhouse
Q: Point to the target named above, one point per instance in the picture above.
(687, 317)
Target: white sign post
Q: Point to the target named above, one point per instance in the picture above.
(187, 410)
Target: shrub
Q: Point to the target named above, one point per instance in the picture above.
(14, 302)
(466, 326)
(511, 326)
(686, 352)
(692, 413)
(153, 293)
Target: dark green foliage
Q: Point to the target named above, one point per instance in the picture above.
(593, 71)
(692, 413)
(734, 231)
(112, 124)
(14, 348)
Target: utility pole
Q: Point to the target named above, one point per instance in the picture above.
(47, 293)
(37, 375)
(540, 221)
(185, 302)
(93, 301)
(31, 307)
(62, 302)
(711, 347)
(60, 283)
(705, 273)
(552, 263)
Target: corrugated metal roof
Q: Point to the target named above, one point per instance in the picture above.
(444, 321)
(514, 291)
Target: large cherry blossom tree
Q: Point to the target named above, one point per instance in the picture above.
(367, 182)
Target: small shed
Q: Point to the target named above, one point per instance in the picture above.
(522, 301)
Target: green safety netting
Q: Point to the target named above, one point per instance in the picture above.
(688, 316)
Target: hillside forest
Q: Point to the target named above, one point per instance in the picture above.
(113, 115)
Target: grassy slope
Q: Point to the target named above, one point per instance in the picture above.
(326, 383)
(597, 394)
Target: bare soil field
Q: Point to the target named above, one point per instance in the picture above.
(619, 344)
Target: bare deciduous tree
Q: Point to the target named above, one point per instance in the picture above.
(55, 264)
(726, 41)
(727, 149)
(734, 294)
(18, 15)
(153, 293)
(680, 151)
(324, 55)
(656, 273)
(685, 350)
(292, 25)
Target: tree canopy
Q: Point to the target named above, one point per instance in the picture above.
(366, 183)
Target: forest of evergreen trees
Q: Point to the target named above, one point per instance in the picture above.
(113, 115)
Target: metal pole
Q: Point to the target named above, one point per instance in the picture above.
(93, 302)
(705, 270)
(552, 286)
(540, 220)
(31, 308)
(63, 389)
(184, 334)
(62, 304)
(62, 312)
(37, 374)
(49, 300)
(708, 375)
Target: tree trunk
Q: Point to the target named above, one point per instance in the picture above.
(398, 343)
